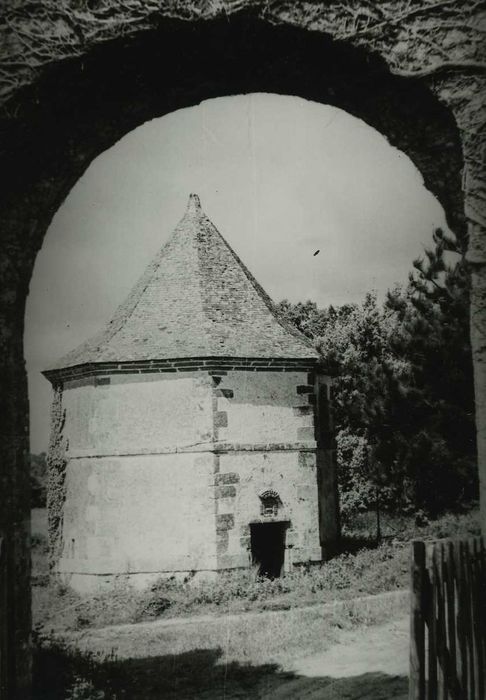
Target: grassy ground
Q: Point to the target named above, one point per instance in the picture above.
(236, 637)
(362, 568)
(232, 656)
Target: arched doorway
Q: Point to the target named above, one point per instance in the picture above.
(54, 128)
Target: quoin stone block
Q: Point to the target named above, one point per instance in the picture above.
(194, 429)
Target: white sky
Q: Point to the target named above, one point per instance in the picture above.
(280, 177)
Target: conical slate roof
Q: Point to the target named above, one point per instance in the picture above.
(196, 299)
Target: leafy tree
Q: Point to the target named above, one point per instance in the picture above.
(354, 341)
(357, 491)
(368, 376)
(403, 394)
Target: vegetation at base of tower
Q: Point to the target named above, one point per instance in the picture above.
(56, 475)
(363, 567)
(403, 395)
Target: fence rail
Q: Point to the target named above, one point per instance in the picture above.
(448, 620)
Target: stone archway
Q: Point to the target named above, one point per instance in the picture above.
(77, 103)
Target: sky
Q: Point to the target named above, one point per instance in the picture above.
(279, 176)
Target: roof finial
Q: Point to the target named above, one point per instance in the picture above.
(194, 204)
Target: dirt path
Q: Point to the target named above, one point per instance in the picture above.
(382, 648)
(367, 664)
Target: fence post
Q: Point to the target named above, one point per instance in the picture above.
(417, 626)
(4, 641)
(461, 618)
(479, 601)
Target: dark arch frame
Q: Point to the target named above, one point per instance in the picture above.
(52, 131)
(83, 106)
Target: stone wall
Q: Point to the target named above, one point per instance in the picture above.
(165, 472)
(264, 407)
(241, 478)
(141, 515)
(137, 414)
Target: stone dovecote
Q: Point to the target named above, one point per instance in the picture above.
(179, 419)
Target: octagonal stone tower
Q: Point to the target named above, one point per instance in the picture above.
(193, 433)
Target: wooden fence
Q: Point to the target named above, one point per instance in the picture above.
(448, 620)
(3, 620)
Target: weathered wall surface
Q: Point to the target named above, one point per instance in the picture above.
(165, 471)
(137, 414)
(265, 407)
(242, 477)
(266, 423)
(131, 503)
(143, 514)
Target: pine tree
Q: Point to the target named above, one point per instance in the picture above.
(435, 409)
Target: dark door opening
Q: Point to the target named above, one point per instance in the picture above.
(268, 548)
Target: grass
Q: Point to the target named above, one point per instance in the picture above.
(225, 654)
(237, 656)
(362, 568)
